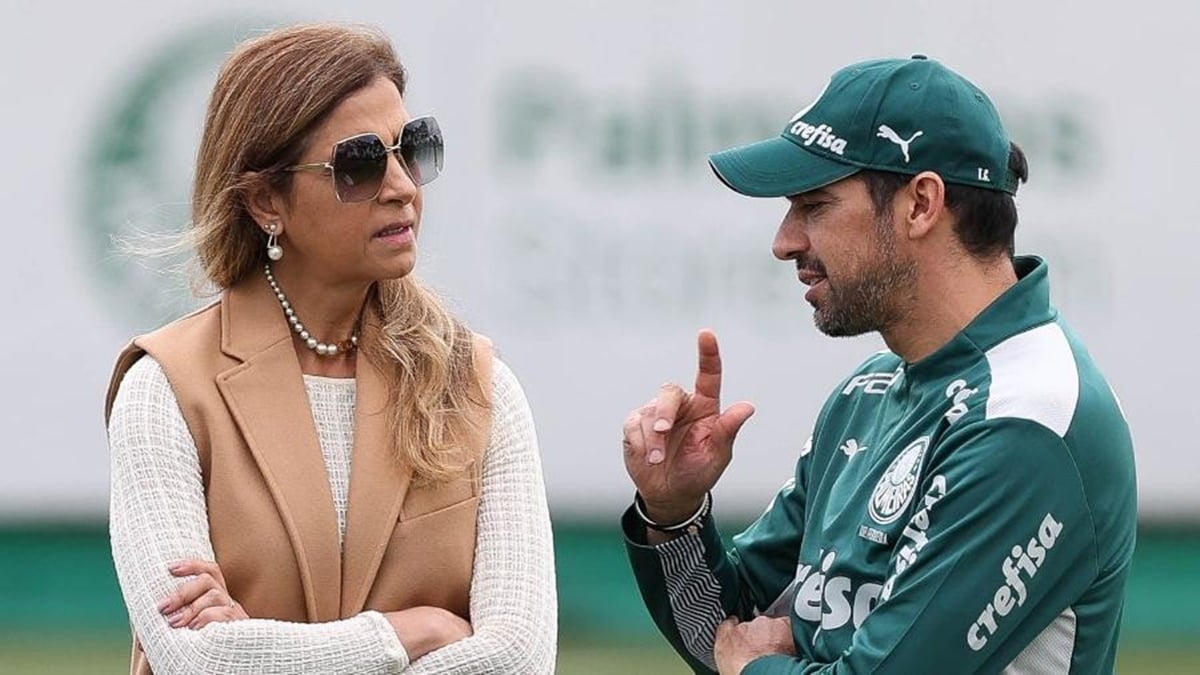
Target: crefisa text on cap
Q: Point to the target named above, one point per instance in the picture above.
(822, 135)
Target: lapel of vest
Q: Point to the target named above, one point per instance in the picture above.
(378, 482)
(269, 404)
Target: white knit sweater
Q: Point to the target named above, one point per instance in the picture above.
(157, 516)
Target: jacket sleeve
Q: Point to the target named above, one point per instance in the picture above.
(1000, 544)
(693, 583)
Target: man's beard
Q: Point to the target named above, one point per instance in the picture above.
(874, 301)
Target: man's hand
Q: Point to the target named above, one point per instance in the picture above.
(737, 644)
(678, 444)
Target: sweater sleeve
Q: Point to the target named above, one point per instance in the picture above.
(513, 599)
(157, 515)
(692, 583)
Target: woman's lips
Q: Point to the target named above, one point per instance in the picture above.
(395, 234)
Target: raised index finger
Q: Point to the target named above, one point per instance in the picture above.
(708, 372)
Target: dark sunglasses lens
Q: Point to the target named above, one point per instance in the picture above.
(359, 165)
(421, 149)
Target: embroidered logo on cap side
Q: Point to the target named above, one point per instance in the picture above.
(887, 132)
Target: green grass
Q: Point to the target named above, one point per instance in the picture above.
(67, 655)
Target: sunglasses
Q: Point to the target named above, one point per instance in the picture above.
(358, 164)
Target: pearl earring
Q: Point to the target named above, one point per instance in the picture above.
(274, 250)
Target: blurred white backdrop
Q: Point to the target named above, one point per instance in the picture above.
(577, 222)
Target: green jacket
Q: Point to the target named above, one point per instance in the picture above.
(965, 513)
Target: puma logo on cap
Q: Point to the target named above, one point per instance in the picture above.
(886, 132)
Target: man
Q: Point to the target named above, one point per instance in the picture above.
(966, 502)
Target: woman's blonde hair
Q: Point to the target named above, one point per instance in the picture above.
(270, 96)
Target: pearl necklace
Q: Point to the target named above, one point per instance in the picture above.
(321, 348)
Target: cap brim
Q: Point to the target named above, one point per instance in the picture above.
(776, 167)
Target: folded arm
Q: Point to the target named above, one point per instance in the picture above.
(157, 516)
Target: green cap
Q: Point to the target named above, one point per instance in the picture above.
(899, 115)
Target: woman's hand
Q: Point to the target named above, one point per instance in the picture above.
(424, 629)
(202, 600)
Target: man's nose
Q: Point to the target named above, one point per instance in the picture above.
(790, 240)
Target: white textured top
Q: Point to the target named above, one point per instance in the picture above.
(332, 403)
(158, 515)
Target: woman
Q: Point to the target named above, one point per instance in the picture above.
(324, 471)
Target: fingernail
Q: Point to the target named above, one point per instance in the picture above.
(162, 606)
(174, 567)
(174, 619)
(655, 457)
(662, 425)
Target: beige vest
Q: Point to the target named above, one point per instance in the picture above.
(236, 376)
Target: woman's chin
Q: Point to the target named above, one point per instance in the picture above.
(400, 266)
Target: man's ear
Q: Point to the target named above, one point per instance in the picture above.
(924, 205)
(264, 203)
